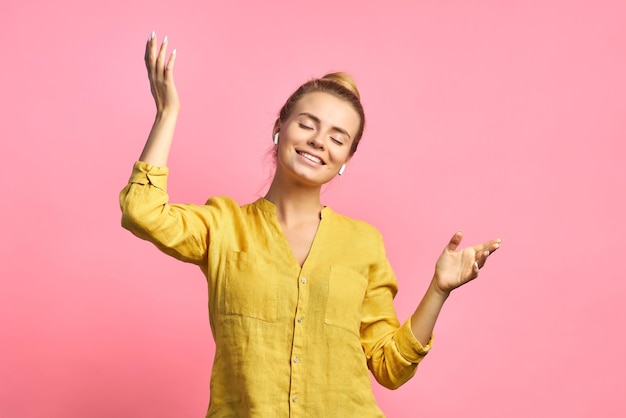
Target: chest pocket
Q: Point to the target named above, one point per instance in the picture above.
(249, 290)
(346, 291)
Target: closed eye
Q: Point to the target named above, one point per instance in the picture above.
(336, 140)
(303, 126)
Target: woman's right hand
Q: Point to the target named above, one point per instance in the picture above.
(161, 75)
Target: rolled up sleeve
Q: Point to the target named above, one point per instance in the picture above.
(391, 349)
(178, 230)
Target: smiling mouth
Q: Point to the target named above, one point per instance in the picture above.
(310, 157)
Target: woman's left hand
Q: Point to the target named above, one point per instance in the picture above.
(455, 268)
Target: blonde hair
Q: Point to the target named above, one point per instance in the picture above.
(338, 84)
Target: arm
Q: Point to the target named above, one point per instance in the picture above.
(161, 76)
(393, 351)
(453, 269)
(178, 230)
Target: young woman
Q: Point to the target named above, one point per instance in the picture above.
(300, 297)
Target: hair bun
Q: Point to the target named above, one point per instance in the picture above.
(345, 81)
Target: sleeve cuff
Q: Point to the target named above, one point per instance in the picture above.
(144, 173)
(410, 348)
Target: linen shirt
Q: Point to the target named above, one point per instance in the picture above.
(291, 340)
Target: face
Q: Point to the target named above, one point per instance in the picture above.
(314, 142)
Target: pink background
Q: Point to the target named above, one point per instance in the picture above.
(502, 118)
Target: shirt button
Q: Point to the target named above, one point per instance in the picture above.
(295, 359)
(300, 320)
(303, 280)
(295, 399)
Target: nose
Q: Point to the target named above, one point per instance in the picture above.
(317, 141)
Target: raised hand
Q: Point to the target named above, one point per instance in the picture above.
(455, 268)
(161, 75)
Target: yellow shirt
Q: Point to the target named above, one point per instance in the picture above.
(290, 341)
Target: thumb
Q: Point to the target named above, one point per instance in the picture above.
(455, 241)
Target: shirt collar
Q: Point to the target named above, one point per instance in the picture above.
(267, 206)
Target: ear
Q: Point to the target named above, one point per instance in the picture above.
(276, 127)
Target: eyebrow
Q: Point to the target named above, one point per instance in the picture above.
(318, 120)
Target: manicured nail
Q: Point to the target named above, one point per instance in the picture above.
(487, 253)
(152, 35)
(165, 39)
(174, 52)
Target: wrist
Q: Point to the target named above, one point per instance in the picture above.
(170, 112)
(437, 290)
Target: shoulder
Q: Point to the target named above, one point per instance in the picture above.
(224, 202)
(227, 207)
(353, 226)
(362, 241)
(219, 209)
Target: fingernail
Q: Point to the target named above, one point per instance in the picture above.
(486, 253)
(476, 265)
(152, 35)
(165, 39)
(174, 52)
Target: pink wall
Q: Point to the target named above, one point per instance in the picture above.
(501, 118)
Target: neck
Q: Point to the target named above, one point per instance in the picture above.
(294, 202)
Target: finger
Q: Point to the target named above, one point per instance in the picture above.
(169, 69)
(455, 241)
(488, 249)
(148, 44)
(495, 244)
(481, 258)
(160, 60)
(150, 53)
(490, 246)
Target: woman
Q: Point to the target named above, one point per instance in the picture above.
(300, 297)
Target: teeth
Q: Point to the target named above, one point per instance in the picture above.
(310, 157)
